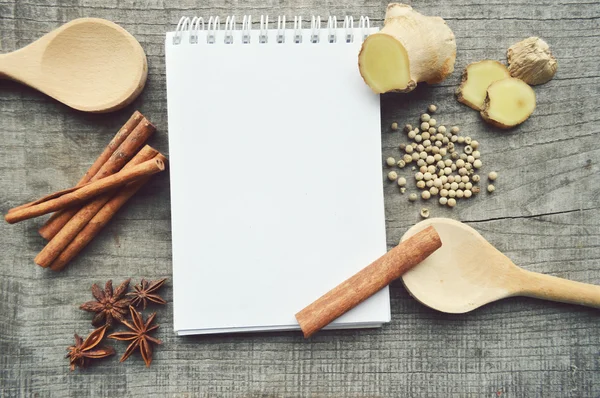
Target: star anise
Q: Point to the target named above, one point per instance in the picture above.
(145, 292)
(84, 349)
(139, 335)
(109, 305)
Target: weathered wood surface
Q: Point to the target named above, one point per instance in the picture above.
(545, 215)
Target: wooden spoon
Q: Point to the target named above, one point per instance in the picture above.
(468, 272)
(89, 64)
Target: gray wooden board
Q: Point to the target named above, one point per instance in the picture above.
(544, 215)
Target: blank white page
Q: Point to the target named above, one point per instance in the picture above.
(276, 183)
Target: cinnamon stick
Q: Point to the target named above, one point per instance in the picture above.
(86, 213)
(86, 192)
(127, 142)
(97, 223)
(368, 281)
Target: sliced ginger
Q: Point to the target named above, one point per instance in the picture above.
(410, 48)
(509, 102)
(476, 79)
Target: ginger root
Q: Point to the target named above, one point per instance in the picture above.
(476, 79)
(509, 102)
(531, 61)
(410, 48)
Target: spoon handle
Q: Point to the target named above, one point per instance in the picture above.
(552, 288)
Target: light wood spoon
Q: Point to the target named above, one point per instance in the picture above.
(468, 272)
(89, 64)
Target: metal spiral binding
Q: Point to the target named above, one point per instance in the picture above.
(196, 25)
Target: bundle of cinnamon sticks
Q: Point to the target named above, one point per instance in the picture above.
(82, 211)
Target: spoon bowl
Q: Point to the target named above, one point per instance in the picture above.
(468, 272)
(89, 64)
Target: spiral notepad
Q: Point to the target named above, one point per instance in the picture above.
(275, 162)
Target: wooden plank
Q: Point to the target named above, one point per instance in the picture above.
(544, 215)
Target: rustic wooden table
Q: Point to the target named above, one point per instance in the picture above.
(545, 215)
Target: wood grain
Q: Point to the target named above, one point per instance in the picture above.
(544, 215)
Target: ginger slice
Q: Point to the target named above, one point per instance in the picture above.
(509, 102)
(410, 48)
(476, 79)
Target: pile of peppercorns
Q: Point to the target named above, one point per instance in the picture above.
(445, 162)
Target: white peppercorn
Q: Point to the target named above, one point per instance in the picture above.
(454, 130)
(439, 136)
(460, 193)
(419, 176)
(451, 202)
(401, 163)
(443, 192)
(492, 176)
(424, 126)
(427, 176)
(423, 169)
(423, 155)
(468, 193)
(451, 146)
(437, 157)
(447, 170)
(491, 188)
(443, 151)
(461, 139)
(412, 197)
(425, 117)
(431, 169)
(432, 122)
(407, 158)
(468, 140)
(454, 186)
(477, 164)
(447, 186)
(468, 166)
(463, 171)
(442, 129)
(474, 144)
(453, 167)
(432, 108)
(420, 148)
(443, 200)
(418, 138)
(432, 130)
(425, 136)
(394, 126)
(425, 195)
(476, 154)
(476, 178)
(464, 179)
(463, 156)
(440, 164)
(451, 193)
(421, 184)
(450, 179)
(401, 181)
(424, 212)
(430, 160)
(438, 144)
(433, 190)
(415, 156)
(435, 150)
(402, 189)
(420, 162)
(437, 182)
(426, 142)
(468, 149)
(412, 134)
(390, 161)
(392, 175)
(444, 179)
(460, 163)
(408, 128)
(475, 190)
(468, 186)
(470, 158)
(445, 140)
(454, 138)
